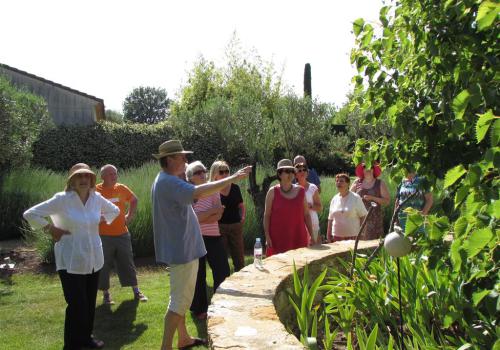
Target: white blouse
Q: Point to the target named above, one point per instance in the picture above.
(312, 213)
(79, 252)
(345, 212)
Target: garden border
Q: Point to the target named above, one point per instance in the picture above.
(251, 307)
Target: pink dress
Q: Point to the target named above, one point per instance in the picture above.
(287, 227)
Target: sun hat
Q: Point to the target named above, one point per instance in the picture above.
(80, 168)
(285, 164)
(377, 170)
(170, 147)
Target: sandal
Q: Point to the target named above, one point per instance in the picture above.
(196, 342)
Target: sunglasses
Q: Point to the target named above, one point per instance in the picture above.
(287, 171)
(301, 169)
(224, 172)
(199, 172)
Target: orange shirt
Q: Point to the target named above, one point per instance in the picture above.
(119, 195)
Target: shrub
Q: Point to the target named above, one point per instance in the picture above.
(125, 145)
(22, 117)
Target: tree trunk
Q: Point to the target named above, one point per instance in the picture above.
(258, 194)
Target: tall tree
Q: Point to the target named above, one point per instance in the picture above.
(146, 105)
(242, 108)
(307, 81)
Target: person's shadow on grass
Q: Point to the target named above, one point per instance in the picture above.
(118, 328)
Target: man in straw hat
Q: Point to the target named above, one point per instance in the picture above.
(177, 236)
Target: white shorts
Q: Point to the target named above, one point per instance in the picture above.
(182, 285)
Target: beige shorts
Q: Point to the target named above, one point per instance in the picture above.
(182, 285)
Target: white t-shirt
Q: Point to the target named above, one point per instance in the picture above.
(313, 214)
(345, 213)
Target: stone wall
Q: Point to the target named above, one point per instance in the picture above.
(250, 309)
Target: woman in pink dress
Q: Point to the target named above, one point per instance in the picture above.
(287, 222)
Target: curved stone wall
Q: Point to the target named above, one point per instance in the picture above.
(251, 307)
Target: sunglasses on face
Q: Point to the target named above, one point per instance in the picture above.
(287, 171)
(224, 172)
(301, 169)
(199, 172)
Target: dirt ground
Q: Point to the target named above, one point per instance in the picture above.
(27, 259)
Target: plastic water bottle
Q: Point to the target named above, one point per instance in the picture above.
(257, 254)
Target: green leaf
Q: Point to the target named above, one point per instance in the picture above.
(460, 226)
(478, 296)
(460, 103)
(297, 286)
(495, 133)
(367, 38)
(453, 175)
(494, 208)
(483, 124)
(477, 275)
(437, 227)
(357, 26)
(465, 346)
(455, 256)
(414, 221)
(460, 195)
(474, 175)
(314, 289)
(486, 14)
(370, 343)
(478, 240)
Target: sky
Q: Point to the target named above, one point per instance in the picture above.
(106, 48)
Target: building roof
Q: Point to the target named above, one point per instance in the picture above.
(51, 82)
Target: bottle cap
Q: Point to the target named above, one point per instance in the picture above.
(257, 240)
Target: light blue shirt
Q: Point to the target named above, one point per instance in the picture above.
(177, 234)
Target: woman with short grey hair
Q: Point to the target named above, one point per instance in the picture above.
(208, 210)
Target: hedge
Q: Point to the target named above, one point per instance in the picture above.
(125, 145)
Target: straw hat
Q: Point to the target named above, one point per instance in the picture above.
(170, 147)
(81, 168)
(285, 164)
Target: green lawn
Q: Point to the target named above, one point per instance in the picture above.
(32, 313)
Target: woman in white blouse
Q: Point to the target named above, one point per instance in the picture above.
(347, 212)
(312, 197)
(75, 215)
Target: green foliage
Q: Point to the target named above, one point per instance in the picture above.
(307, 80)
(146, 104)
(432, 71)
(302, 300)
(125, 145)
(22, 117)
(114, 116)
(242, 112)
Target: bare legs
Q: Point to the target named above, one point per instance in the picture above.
(175, 322)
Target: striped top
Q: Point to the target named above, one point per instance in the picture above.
(205, 204)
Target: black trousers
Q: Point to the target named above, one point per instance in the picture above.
(217, 259)
(80, 292)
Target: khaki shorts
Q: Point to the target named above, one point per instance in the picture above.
(182, 285)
